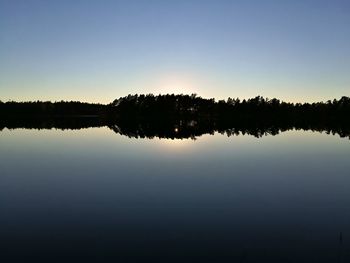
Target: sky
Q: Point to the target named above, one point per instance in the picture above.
(97, 51)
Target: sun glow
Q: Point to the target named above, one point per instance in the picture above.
(176, 85)
(175, 145)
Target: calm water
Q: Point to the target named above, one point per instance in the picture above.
(93, 195)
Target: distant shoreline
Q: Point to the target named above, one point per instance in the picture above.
(180, 106)
(181, 116)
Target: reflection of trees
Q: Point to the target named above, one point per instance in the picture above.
(182, 129)
(178, 128)
(46, 122)
(166, 128)
(181, 116)
(189, 116)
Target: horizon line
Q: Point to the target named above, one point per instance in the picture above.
(175, 94)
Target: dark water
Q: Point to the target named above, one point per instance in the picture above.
(92, 195)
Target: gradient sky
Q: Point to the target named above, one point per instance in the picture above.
(296, 50)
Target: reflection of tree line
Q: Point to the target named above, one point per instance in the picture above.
(50, 122)
(181, 129)
(181, 116)
(175, 128)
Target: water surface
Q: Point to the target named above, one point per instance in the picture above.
(93, 195)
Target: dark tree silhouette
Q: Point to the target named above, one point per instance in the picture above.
(181, 116)
(258, 108)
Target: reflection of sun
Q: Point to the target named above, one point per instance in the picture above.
(175, 144)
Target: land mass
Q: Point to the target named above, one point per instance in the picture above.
(181, 116)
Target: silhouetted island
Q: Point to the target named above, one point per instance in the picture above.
(181, 116)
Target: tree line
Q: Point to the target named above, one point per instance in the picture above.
(181, 116)
(184, 106)
(45, 108)
(171, 106)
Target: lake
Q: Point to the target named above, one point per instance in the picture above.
(94, 195)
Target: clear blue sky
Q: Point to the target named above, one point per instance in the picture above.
(296, 50)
